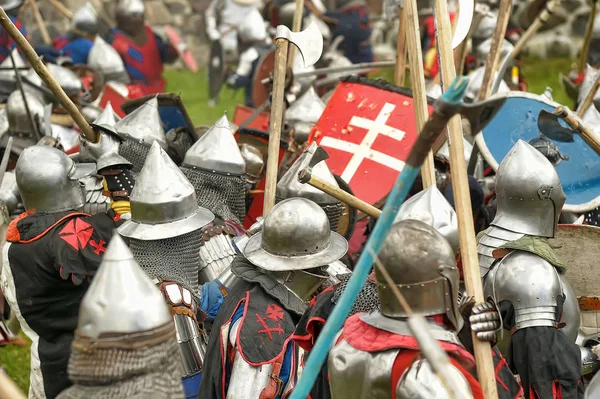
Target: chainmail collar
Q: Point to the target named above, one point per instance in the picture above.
(367, 300)
(138, 365)
(245, 270)
(223, 195)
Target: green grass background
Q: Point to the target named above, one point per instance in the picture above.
(193, 89)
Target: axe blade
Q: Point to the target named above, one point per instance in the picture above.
(481, 113)
(463, 25)
(550, 126)
(319, 155)
(309, 42)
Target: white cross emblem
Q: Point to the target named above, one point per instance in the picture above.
(363, 150)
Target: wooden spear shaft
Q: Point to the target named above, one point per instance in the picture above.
(493, 58)
(400, 72)
(44, 74)
(40, 23)
(588, 37)
(296, 26)
(275, 121)
(60, 7)
(462, 200)
(587, 101)
(417, 82)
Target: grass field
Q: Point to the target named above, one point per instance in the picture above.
(193, 90)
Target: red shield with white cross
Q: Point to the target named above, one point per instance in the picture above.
(368, 131)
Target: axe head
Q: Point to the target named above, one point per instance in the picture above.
(319, 155)
(463, 25)
(550, 126)
(309, 42)
(481, 113)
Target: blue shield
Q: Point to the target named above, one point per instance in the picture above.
(578, 165)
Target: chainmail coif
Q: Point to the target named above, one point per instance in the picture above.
(367, 300)
(175, 259)
(223, 195)
(126, 366)
(135, 152)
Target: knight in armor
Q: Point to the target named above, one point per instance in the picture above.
(142, 50)
(349, 19)
(223, 18)
(524, 278)
(133, 355)
(253, 36)
(422, 264)
(53, 250)
(164, 235)
(289, 186)
(7, 44)
(79, 40)
(281, 268)
(106, 60)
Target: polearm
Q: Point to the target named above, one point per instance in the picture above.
(44, 74)
(431, 131)
(32, 124)
(460, 186)
(417, 82)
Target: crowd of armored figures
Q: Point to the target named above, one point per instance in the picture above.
(163, 291)
(138, 266)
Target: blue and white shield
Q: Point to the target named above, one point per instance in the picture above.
(576, 163)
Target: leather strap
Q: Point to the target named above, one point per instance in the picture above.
(275, 386)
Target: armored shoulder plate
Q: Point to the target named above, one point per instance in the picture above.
(356, 374)
(95, 201)
(493, 237)
(216, 252)
(420, 381)
(530, 283)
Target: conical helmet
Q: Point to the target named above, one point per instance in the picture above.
(529, 193)
(85, 20)
(215, 167)
(163, 201)
(431, 207)
(289, 186)
(121, 299)
(107, 119)
(138, 130)
(104, 58)
(130, 8)
(125, 339)
(304, 114)
(67, 79)
(217, 151)
(143, 125)
(422, 265)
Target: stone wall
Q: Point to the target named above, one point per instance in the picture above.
(561, 37)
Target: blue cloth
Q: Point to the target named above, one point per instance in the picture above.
(7, 44)
(353, 25)
(48, 53)
(211, 298)
(78, 49)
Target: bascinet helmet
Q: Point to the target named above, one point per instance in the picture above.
(139, 130)
(125, 342)
(304, 114)
(295, 239)
(422, 265)
(163, 202)
(530, 196)
(48, 180)
(289, 186)
(85, 20)
(215, 167)
(431, 207)
(18, 119)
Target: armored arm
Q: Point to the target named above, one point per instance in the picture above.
(115, 170)
(243, 74)
(210, 16)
